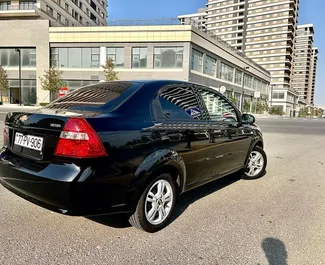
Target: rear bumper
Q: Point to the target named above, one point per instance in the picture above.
(57, 187)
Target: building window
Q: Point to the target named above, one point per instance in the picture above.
(248, 81)
(168, 57)
(49, 10)
(209, 66)
(226, 72)
(5, 5)
(238, 77)
(67, 7)
(117, 55)
(75, 57)
(197, 60)
(58, 17)
(27, 5)
(66, 22)
(139, 57)
(10, 58)
(28, 91)
(278, 95)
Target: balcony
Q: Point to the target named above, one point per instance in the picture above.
(21, 10)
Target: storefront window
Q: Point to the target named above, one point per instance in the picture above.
(168, 57)
(75, 57)
(117, 55)
(139, 57)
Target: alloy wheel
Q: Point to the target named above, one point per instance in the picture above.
(255, 164)
(159, 201)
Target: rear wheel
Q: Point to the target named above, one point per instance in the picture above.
(256, 164)
(156, 204)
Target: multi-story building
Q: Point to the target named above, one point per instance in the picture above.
(264, 30)
(197, 19)
(179, 52)
(58, 12)
(312, 77)
(302, 72)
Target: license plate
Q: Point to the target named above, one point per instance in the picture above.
(29, 141)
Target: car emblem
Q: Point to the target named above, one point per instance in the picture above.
(23, 118)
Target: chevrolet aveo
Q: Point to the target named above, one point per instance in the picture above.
(127, 147)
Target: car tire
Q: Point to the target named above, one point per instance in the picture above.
(156, 204)
(256, 164)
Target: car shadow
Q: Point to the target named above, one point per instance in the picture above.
(183, 202)
(186, 199)
(114, 220)
(275, 251)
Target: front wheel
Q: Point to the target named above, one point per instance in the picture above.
(156, 204)
(256, 164)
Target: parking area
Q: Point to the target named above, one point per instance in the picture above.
(278, 219)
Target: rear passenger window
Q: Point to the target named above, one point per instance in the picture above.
(180, 103)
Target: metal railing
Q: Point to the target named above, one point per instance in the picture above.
(175, 21)
(144, 22)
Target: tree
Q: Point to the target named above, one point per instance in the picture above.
(246, 106)
(51, 81)
(232, 99)
(109, 72)
(276, 110)
(4, 85)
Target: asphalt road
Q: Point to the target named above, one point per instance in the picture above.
(277, 220)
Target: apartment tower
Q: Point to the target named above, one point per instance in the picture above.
(264, 30)
(312, 77)
(197, 19)
(303, 62)
(58, 12)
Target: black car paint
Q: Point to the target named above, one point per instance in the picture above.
(139, 144)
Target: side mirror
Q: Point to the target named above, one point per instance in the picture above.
(248, 119)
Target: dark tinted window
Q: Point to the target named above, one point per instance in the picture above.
(179, 103)
(91, 96)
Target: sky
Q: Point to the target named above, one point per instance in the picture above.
(310, 12)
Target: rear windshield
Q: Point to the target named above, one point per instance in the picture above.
(95, 95)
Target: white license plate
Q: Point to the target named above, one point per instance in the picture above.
(29, 141)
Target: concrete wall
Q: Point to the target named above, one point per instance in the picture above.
(30, 33)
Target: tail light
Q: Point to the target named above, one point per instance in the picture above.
(79, 140)
(5, 135)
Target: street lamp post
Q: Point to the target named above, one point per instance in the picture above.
(271, 96)
(19, 62)
(242, 89)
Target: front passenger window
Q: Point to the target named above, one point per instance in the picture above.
(219, 109)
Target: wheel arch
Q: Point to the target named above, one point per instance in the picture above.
(159, 162)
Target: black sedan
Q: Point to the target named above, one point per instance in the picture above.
(127, 147)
